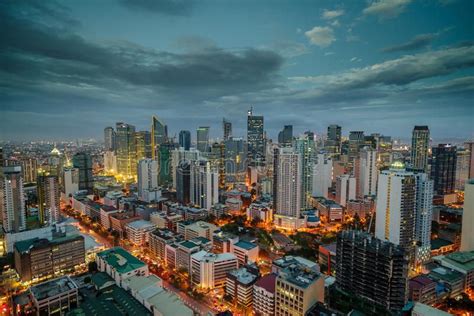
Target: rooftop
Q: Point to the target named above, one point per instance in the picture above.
(299, 275)
(121, 260)
(245, 245)
(267, 282)
(421, 281)
(52, 288)
(209, 256)
(141, 224)
(243, 276)
(25, 246)
(438, 243)
(445, 274)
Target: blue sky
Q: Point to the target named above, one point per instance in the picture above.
(69, 69)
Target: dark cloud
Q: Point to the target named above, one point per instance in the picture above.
(170, 7)
(416, 43)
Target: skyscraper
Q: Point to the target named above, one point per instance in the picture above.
(372, 269)
(396, 200)
(70, 181)
(12, 201)
(333, 142)
(48, 198)
(463, 160)
(367, 173)
(443, 169)
(83, 162)
(165, 177)
(305, 146)
(255, 139)
(287, 171)
(420, 143)
(322, 175)
(423, 216)
(285, 137)
(185, 139)
(159, 135)
(235, 154)
(109, 138)
(470, 146)
(143, 145)
(345, 189)
(203, 138)
(29, 168)
(183, 181)
(227, 128)
(467, 237)
(147, 175)
(356, 141)
(204, 184)
(126, 151)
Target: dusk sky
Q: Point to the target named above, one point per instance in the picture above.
(71, 68)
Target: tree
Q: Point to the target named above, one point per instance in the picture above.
(87, 280)
(255, 221)
(92, 266)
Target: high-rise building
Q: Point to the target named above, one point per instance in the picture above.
(204, 184)
(463, 160)
(216, 157)
(83, 162)
(48, 198)
(185, 139)
(443, 169)
(235, 155)
(29, 168)
(285, 137)
(333, 142)
(255, 138)
(345, 189)
(306, 147)
(183, 182)
(147, 177)
(227, 128)
(322, 175)
(423, 216)
(356, 141)
(372, 269)
(165, 177)
(12, 200)
(367, 173)
(110, 162)
(142, 145)
(420, 142)
(470, 146)
(396, 201)
(287, 187)
(70, 181)
(178, 155)
(202, 134)
(467, 237)
(125, 149)
(109, 138)
(159, 135)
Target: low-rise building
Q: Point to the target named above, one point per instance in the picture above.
(422, 289)
(239, 286)
(260, 210)
(120, 265)
(120, 219)
(54, 297)
(210, 270)
(192, 230)
(105, 211)
(158, 240)
(138, 231)
(462, 262)
(451, 280)
(222, 242)
(245, 252)
(264, 295)
(327, 258)
(288, 261)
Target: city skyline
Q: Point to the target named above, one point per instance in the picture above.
(67, 71)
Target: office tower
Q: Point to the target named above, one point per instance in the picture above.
(110, 162)
(423, 216)
(183, 182)
(204, 184)
(463, 160)
(2, 160)
(165, 177)
(178, 155)
(29, 169)
(356, 141)
(12, 200)
(470, 146)
(285, 137)
(209, 271)
(159, 135)
(227, 128)
(125, 150)
(372, 269)
(287, 187)
(185, 139)
(255, 139)
(333, 142)
(70, 181)
(216, 157)
(305, 146)
(345, 189)
(147, 177)
(109, 138)
(48, 198)
(235, 155)
(83, 162)
(297, 289)
(202, 133)
(467, 236)
(396, 201)
(142, 145)
(322, 175)
(55, 162)
(384, 151)
(367, 172)
(420, 142)
(443, 169)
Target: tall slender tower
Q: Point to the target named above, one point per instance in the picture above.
(443, 169)
(48, 198)
(159, 135)
(147, 177)
(305, 146)
(333, 142)
(420, 143)
(185, 139)
(83, 162)
(255, 139)
(227, 127)
(109, 138)
(126, 150)
(204, 184)
(367, 173)
(202, 136)
(423, 216)
(12, 201)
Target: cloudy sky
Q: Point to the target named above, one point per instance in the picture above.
(69, 69)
